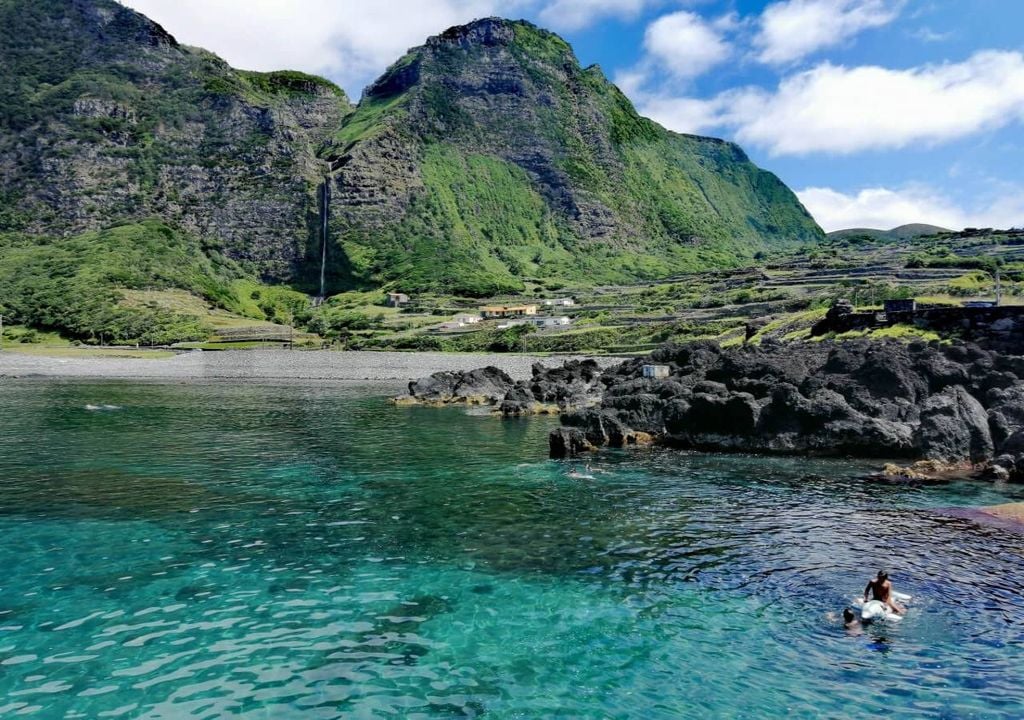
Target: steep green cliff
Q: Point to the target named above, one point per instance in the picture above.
(489, 155)
(105, 118)
(484, 158)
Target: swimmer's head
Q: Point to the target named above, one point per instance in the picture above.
(848, 616)
(883, 575)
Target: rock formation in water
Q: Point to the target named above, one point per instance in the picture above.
(956, 405)
(550, 391)
(486, 386)
(887, 400)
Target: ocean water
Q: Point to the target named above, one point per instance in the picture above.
(308, 551)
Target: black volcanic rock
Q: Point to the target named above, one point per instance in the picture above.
(486, 386)
(867, 399)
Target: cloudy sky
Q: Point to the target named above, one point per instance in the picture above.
(877, 112)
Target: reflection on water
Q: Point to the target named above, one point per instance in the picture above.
(309, 551)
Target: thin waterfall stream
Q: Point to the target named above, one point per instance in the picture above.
(325, 213)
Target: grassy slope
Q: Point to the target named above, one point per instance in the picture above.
(482, 225)
(78, 285)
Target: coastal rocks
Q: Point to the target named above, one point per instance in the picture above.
(596, 429)
(1009, 464)
(955, 405)
(486, 386)
(954, 426)
(929, 471)
(576, 384)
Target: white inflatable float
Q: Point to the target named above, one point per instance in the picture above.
(877, 611)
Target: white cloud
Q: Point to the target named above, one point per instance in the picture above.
(883, 208)
(793, 29)
(351, 41)
(685, 115)
(926, 34)
(684, 44)
(576, 14)
(841, 110)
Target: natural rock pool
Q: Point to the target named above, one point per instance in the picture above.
(306, 551)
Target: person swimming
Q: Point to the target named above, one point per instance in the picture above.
(881, 589)
(575, 473)
(850, 622)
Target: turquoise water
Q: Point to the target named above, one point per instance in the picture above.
(295, 551)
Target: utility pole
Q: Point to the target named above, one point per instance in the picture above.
(1, 331)
(999, 289)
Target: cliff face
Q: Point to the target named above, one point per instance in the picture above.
(486, 158)
(489, 155)
(105, 118)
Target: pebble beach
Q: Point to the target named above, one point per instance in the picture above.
(272, 365)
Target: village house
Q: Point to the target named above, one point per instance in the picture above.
(544, 323)
(507, 311)
(397, 299)
(560, 302)
(468, 319)
(658, 372)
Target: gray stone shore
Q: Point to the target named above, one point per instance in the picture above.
(272, 364)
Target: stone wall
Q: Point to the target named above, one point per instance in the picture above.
(997, 328)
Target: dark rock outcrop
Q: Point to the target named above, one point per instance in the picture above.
(954, 426)
(887, 400)
(486, 386)
(575, 385)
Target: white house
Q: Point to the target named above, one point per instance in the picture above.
(468, 319)
(560, 302)
(551, 322)
(656, 371)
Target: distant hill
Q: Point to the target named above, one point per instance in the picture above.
(903, 232)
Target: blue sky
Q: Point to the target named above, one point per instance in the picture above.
(877, 112)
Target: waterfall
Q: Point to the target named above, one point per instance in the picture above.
(325, 214)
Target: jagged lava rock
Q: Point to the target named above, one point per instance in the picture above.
(485, 386)
(862, 398)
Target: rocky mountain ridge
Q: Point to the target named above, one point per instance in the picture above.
(489, 154)
(107, 119)
(486, 156)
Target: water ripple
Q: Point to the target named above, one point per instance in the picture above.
(309, 551)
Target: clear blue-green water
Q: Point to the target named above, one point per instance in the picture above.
(302, 551)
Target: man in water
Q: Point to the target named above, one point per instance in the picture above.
(850, 622)
(881, 589)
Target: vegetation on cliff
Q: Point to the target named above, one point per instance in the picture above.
(486, 162)
(489, 156)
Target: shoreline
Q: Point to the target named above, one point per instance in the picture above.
(276, 365)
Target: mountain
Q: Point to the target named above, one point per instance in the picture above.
(105, 118)
(903, 232)
(489, 155)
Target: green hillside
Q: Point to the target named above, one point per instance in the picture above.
(898, 234)
(105, 119)
(489, 156)
(134, 169)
